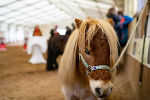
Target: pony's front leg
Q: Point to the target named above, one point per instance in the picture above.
(69, 95)
(90, 98)
(56, 65)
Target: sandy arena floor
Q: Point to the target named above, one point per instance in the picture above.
(20, 80)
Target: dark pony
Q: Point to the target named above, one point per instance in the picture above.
(56, 45)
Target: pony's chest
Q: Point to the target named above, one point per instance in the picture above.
(78, 91)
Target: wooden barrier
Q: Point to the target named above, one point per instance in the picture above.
(136, 59)
(144, 93)
(132, 68)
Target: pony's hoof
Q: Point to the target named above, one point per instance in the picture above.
(56, 68)
(51, 69)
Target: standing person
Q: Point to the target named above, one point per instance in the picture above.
(68, 32)
(37, 31)
(55, 31)
(112, 13)
(25, 44)
(52, 32)
(124, 22)
(2, 44)
(73, 26)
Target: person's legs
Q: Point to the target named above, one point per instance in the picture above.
(49, 65)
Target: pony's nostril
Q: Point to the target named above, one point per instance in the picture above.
(98, 91)
(103, 92)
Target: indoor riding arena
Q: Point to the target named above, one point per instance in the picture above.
(74, 49)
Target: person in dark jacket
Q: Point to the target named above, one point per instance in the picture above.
(73, 26)
(124, 22)
(52, 32)
(68, 32)
(55, 31)
(112, 13)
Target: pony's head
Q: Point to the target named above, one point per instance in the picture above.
(97, 43)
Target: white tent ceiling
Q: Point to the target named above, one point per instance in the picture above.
(32, 12)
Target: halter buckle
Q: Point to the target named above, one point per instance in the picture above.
(89, 68)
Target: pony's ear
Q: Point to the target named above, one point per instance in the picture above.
(89, 17)
(78, 23)
(110, 20)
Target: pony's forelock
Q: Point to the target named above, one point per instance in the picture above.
(106, 29)
(111, 37)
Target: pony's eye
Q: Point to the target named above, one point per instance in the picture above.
(87, 51)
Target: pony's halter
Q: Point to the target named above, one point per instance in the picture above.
(90, 68)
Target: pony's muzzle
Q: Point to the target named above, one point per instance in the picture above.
(100, 92)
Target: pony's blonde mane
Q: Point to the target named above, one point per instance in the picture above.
(67, 69)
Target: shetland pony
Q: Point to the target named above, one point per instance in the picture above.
(56, 45)
(89, 56)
